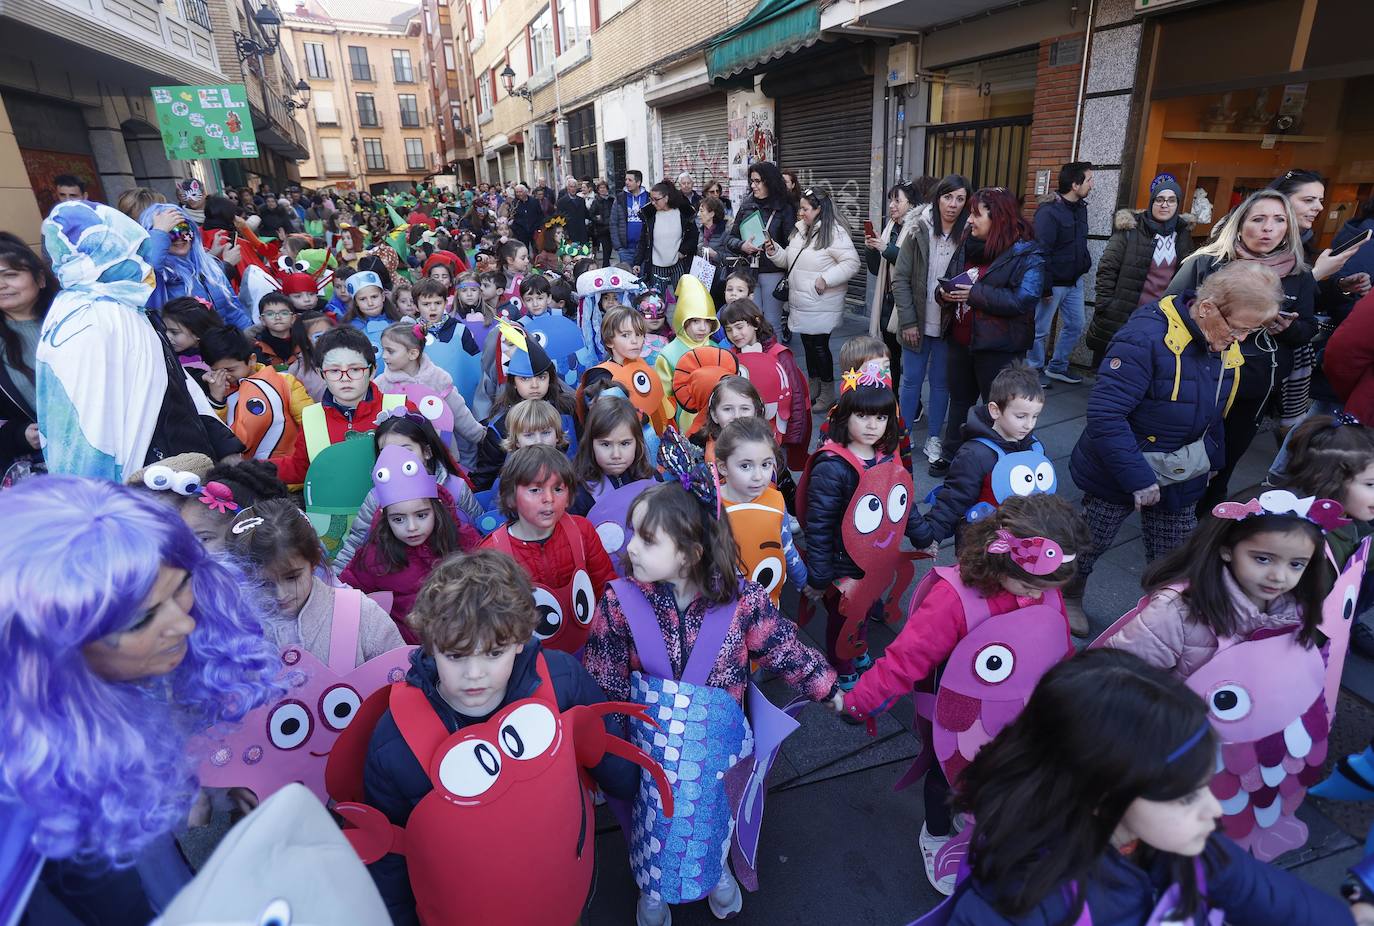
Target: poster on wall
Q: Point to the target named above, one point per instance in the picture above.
(42, 166)
(205, 122)
(751, 137)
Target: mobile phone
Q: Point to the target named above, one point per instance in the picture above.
(233, 237)
(1288, 314)
(1353, 242)
(868, 229)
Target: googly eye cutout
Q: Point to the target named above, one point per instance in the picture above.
(868, 513)
(381, 474)
(1044, 477)
(186, 484)
(583, 599)
(615, 281)
(768, 573)
(550, 614)
(528, 732)
(470, 768)
(597, 282)
(276, 913)
(410, 468)
(302, 267)
(1229, 703)
(994, 663)
(1022, 480)
(338, 705)
(431, 406)
(897, 501)
(255, 407)
(159, 477)
(289, 725)
(640, 380)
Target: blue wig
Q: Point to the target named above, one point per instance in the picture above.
(105, 764)
(198, 273)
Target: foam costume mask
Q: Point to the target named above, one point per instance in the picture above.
(100, 370)
(400, 476)
(590, 285)
(986, 682)
(290, 740)
(509, 798)
(562, 341)
(259, 414)
(429, 403)
(694, 375)
(1326, 513)
(285, 863)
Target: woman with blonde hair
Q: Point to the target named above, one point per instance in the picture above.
(1263, 230)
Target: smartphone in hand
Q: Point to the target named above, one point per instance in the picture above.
(1353, 242)
(868, 229)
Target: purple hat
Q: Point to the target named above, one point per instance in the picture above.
(400, 476)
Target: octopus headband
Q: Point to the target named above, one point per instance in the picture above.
(681, 461)
(875, 374)
(1039, 556)
(1323, 512)
(1188, 744)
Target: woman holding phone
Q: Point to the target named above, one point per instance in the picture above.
(1263, 229)
(768, 200)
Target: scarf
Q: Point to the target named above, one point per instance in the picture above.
(1281, 260)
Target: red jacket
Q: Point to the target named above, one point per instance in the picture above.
(1349, 360)
(367, 573)
(930, 634)
(552, 563)
(291, 469)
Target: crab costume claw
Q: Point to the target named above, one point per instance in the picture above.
(370, 833)
(593, 743)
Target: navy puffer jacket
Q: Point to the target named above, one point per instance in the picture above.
(1004, 298)
(1149, 397)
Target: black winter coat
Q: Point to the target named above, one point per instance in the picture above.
(830, 487)
(1061, 227)
(526, 218)
(394, 781)
(573, 209)
(644, 255)
(1122, 270)
(17, 415)
(778, 222)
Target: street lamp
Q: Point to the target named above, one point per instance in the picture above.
(291, 103)
(508, 80)
(270, 25)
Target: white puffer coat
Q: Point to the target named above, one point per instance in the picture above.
(812, 312)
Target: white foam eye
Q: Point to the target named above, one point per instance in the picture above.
(897, 501)
(381, 474)
(768, 573)
(289, 725)
(583, 599)
(276, 913)
(550, 614)
(528, 732)
(541, 338)
(302, 267)
(640, 380)
(186, 483)
(1044, 476)
(1229, 702)
(868, 514)
(410, 468)
(994, 663)
(1022, 480)
(431, 406)
(470, 768)
(159, 477)
(255, 406)
(338, 704)
(612, 536)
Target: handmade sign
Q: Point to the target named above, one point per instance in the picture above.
(205, 122)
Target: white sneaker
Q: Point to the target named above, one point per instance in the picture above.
(725, 899)
(651, 911)
(930, 847)
(932, 449)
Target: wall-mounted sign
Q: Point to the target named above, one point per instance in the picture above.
(205, 122)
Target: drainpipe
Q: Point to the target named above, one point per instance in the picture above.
(1082, 82)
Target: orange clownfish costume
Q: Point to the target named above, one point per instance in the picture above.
(259, 414)
(642, 387)
(757, 527)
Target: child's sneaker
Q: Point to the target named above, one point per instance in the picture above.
(930, 847)
(725, 899)
(651, 911)
(847, 681)
(863, 664)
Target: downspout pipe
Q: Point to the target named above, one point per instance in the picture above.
(1082, 82)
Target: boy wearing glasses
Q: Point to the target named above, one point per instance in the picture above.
(347, 360)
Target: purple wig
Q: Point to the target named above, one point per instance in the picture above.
(104, 764)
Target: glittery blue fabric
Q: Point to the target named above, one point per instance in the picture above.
(702, 733)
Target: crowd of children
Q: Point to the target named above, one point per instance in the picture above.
(558, 487)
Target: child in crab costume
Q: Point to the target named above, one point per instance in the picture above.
(1234, 611)
(475, 771)
(990, 626)
(854, 503)
(1123, 748)
(678, 638)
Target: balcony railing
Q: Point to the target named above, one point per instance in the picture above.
(363, 72)
(376, 163)
(196, 11)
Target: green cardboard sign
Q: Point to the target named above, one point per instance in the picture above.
(205, 122)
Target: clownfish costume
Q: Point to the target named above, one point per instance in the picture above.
(259, 413)
(694, 378)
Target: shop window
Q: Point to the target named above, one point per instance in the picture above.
(994, 88)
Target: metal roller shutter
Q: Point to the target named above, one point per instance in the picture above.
(825, 136)
(696, 139)
(510, 166)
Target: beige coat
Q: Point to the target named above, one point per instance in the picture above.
(813, 312)
(884, 275)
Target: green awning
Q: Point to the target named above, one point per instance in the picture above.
(773, 29)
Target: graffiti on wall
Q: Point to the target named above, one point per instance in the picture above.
(845, 194)
(702, 156)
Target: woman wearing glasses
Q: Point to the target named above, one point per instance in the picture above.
(819, 259)
(1262, 230)
(1140, 260)
(768, 198)
(668, 240)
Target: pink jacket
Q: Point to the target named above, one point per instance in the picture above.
(1163, 635)
(437, 378)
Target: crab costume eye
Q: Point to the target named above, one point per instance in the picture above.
(897, 501)
(1229, 703)
(158, 477)
(550, 614)
(185, 484)
(381, 474)
(768, 573)
(1022, 480)
(994, 663)
(338, 705)
(431, 406)
(289, 725)
(528, 732)
(640, 380)
(868, 514)
(470, 768)
(276, 913)
(583, 600)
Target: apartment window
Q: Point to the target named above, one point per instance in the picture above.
(450, 61)
(332, 153)
(367, 111)
(357, 62)
(372, 148)
(323, 102)
(477, 20)
(608, 8)
(541, 41)
(484, 99)
(517, 56)
(315, 63)
(574, 23)
(410, 110)
(400, 66)
(415, 154)
(197, 12)
(492, 6)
